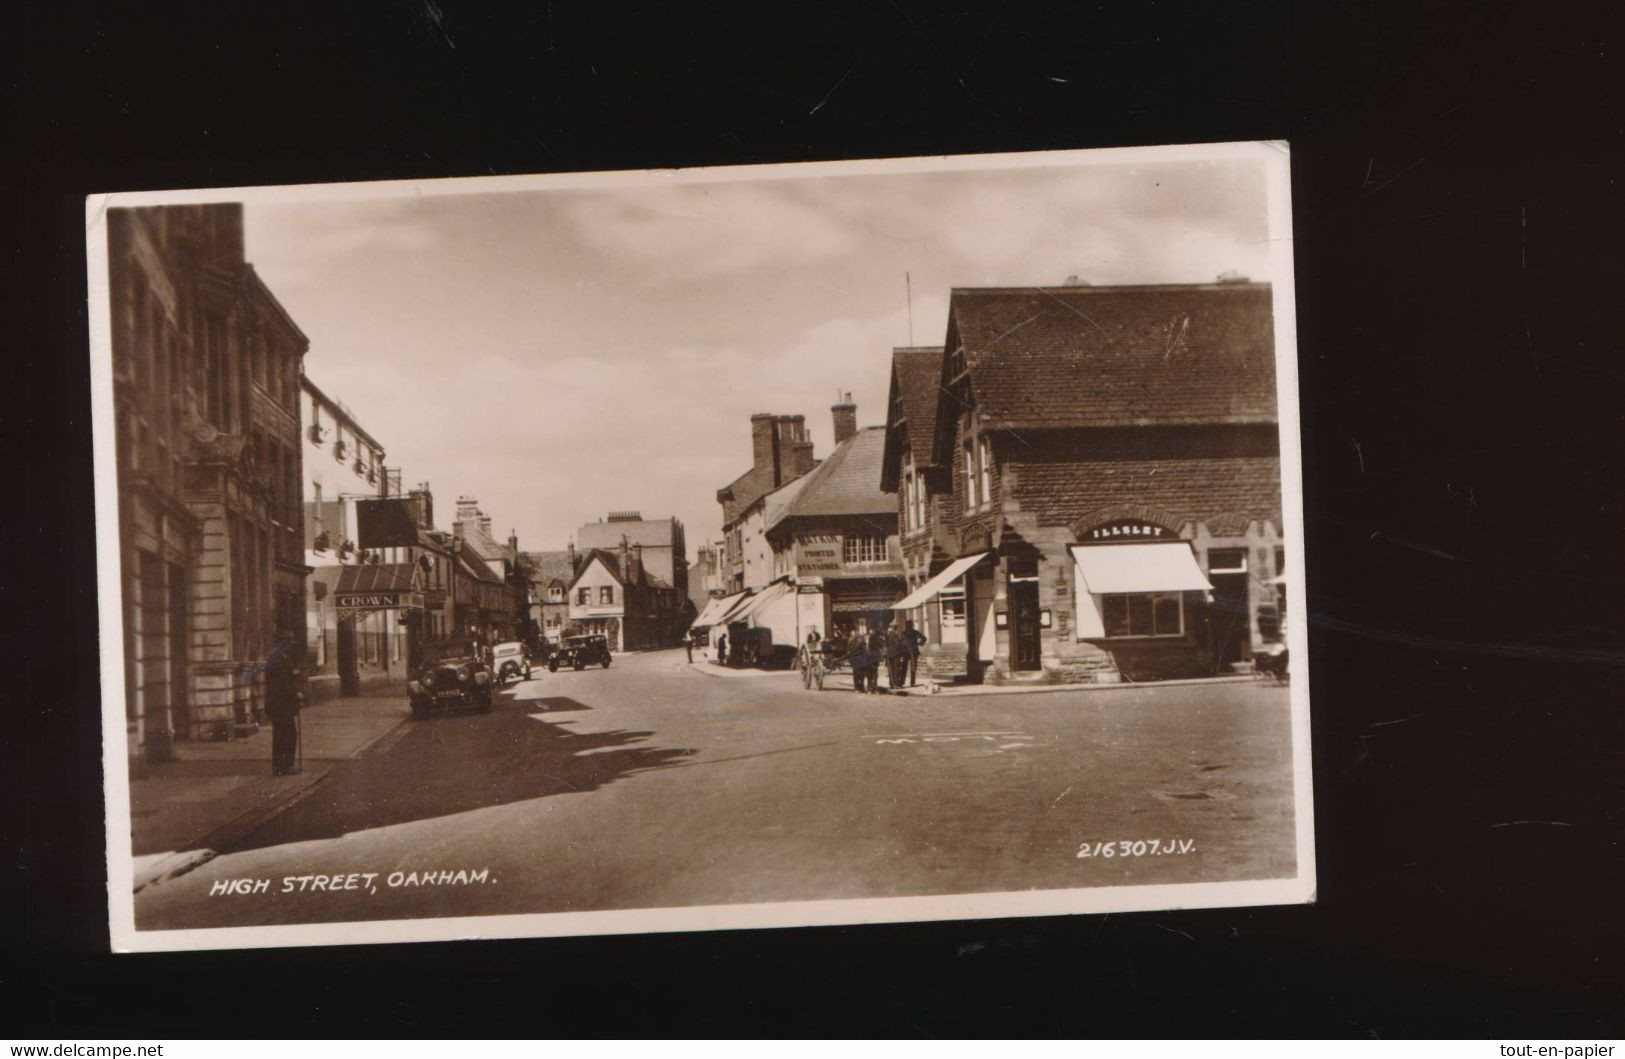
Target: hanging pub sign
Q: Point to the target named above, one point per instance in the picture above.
(1130, 529)
(391, 523)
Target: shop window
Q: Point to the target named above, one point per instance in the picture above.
(952, 600)
(606, 594)
(858, 549)
(1143, 614)
(1227, 561)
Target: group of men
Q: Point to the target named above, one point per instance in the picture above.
(896, 649)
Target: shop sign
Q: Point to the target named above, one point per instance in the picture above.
(377, 600)
(1129, 529)
(820, 552)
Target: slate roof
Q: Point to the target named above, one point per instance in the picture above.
(916, 374)
(847, 482)
(1118, 356)
(776, 503)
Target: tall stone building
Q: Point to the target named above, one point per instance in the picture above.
(206, 369)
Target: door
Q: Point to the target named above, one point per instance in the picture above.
(1024, 635)
(349, 674)
(1228, 620)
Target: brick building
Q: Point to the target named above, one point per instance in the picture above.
(614, 594)
(206, 366)
(1095, 473)
(781, 452)
(549, 574)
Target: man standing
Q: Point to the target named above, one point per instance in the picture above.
(722, 649)
(877, 654)
(283, 700)
(913, 640)
(688, 645)
(857, 651)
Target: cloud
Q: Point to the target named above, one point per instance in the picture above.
(562, 354)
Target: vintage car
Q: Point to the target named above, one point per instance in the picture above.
(511, 662)
(580, 652)
(450, 675)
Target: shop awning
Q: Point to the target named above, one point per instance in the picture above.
(929, 590)
(1167, 566)
(714, 609)
(736, 603)
(761, 599)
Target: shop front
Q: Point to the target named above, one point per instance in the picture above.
(372, 617)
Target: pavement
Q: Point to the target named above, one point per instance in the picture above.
(184, 809)
(654, 783)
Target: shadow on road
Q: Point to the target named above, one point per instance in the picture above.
(559, 704)
(455, 764)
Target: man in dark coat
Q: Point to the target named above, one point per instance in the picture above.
(857, 652)
(913, 640)
(896, 664)
(284, 697)
(877, 655)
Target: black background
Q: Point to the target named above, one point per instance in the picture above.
(1457, 201)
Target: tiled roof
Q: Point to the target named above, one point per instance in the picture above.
(1232, 489)
(547, 567)
(1119, 356)
(777, 503)
(377, 577)
(848, 482)
(916, 374)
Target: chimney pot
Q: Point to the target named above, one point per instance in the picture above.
(845, 414)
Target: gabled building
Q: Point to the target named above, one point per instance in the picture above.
(507, 618)
(613, 594)
(1113, 506)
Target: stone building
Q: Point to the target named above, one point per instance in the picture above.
(206, 367)
(614, 594)
(1098, 474)
(549, 574)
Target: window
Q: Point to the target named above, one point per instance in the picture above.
(555, 595)
(583, 596)
(864, 549)
(908, 499)
(1227, 561)
(984, 459)
(970, 478)
(1143, 614)
(606, 594)
(952, 600)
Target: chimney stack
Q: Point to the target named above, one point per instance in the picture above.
(846, 418)
(626, 560)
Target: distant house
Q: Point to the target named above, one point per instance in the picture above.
(660, 551)
(614, 594)
(550, 574)
(1092, 479)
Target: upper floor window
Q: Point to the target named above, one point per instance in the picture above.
(971, 479)
(555, 595)
(984, 464)
(583, 596)
(606, 594)
(864, 549)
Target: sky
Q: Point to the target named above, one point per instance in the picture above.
(560, 354)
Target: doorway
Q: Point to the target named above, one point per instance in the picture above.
(1025, 649)
(180, 721)
(1229, 624)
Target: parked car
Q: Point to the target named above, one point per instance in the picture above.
(580, 652)
(511, 660)
(450, 675)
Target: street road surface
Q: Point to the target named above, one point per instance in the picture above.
(655, 784)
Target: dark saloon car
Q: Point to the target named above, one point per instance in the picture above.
(580, 652)
(450, 675)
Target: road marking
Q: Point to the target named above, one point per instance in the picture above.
(1019, 739)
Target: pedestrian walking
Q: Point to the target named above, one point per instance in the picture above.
(284, 697)
(688, 644)
(722, 649)
(857, 652)
(913, 640)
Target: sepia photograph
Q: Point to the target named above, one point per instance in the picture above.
(595, 553)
